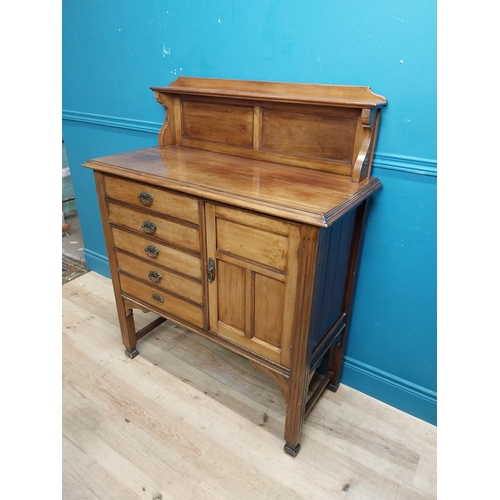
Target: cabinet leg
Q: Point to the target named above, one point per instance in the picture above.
(335, 364)
(295, 414)
(127, 327)
(125, 314)
(299, 359)
(293, 430)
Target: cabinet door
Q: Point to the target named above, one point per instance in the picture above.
(253, 287)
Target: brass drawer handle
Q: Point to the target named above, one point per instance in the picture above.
(152, 251)
(148, 227)
(157, 297)
(154, 276)
(146, 198)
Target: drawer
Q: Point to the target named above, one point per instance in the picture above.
(172, 307)
(166, 256)
(160, 277)
(160, 200)
(175, 233)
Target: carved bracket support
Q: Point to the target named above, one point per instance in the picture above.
(280, 379)
(167, 135)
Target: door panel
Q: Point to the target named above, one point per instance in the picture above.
(252, 298)
(269, 304)
(231, 295)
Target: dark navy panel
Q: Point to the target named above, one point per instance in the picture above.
(317, 331)
(333, 261)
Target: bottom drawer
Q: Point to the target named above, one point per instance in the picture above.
(173, 307)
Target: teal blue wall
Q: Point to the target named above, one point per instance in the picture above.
(113, 51)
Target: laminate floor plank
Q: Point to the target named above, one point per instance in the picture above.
(131, 425)
(188, 419)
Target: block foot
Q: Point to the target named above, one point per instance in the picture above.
(333, 387)
(131, 354)
(292, 451)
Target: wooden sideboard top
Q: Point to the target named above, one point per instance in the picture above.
(295, 193)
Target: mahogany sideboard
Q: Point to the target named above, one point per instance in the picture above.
(245, 224)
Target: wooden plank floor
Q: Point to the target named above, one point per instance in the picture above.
(188, 420)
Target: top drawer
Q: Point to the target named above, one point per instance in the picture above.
(157, 199)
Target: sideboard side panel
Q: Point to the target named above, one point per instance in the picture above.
(331, 273)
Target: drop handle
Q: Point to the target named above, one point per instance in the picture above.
(145, 198)
(154, 276)
(211, 270)
(157, 297)
(148, 227)
(151, 251)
